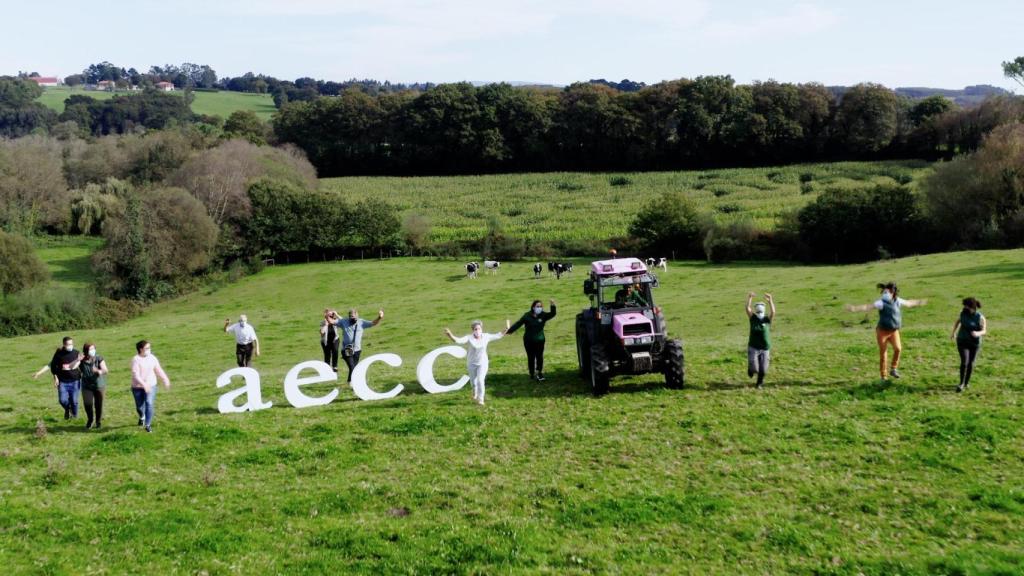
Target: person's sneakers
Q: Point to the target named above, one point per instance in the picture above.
(540, 377)
(894, 373)
(149, 428)
(960, 388)
(97, 426)
(335, 369)
(533, 376)
(88, 424)
(141, 420)
(67, 414)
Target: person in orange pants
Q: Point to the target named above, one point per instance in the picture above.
(890, 320)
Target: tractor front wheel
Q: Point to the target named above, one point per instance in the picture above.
(673, 363)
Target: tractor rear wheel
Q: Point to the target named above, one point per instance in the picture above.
(672, 360)
(599, 370)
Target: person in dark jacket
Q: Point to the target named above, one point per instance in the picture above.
(94, 385)
(67, 378)
(533, 336)
(967, 332)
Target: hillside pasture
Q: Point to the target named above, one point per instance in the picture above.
(208, 103)
(826, 470)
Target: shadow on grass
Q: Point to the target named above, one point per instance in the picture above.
(768, 383)
(71, 427)
(71, 270)
(1010, 270)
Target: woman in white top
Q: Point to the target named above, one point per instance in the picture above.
(476, 360)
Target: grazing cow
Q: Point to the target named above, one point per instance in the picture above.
(491, 265)
(650, 262)
(471, 269)
(562, 268)
(537, 269)
(663, 264)
(551, 267)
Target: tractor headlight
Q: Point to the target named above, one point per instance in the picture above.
(629, 341)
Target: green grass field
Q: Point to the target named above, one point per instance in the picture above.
(587, 206)
(69, 259)
(211, 103)
(825, 471)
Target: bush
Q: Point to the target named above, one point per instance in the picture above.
(495, 245)
(975, 201)
(48, 309)
(668, 223)
(806, 188)
(856, 225)
(159, 241)
(33, 194)
(620, 181)
(90, 207)
(20, 268)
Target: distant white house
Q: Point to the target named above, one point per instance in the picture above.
(107, 85)
(45, 80)
(165, 86)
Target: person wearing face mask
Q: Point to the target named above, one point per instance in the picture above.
(246, 341)
(533, 336)
(329, 340)
(890, 320)
(967, 332)
(94, 385)
(759, 342)
(145, 369)
(67, 378)
(477, 361)
(352, 336)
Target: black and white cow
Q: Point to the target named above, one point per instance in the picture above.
(663, 264)
(491, 266)
(471, 269)
(562, 268)
(650, 262)
(537, 269)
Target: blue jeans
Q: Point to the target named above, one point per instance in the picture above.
(145, 403)
(67, 395)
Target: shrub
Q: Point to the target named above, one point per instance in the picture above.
(415, 232)
(246, 125)
(668, 223)
(806, 188)
(975, 201)
(619, 181)
(806, 177)
(48, 309)
(733, 241)
(569, 186)
(33, 194)
(853, 225)
(20, 268)
(90, 207)
(157, 242)
(728, 208)
(496, 245)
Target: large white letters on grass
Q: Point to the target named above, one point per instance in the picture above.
(362, 389)
(324, 373)
(251, 390)
(425, 370)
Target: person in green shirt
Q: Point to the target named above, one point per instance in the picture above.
(533, 336)
(759, 342)
(967, 331)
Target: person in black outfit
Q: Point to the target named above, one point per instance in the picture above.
(67, 378)
(533, 336)
(94, 385)
(329, 341)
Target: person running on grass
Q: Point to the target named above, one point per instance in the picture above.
(352, 329)
(967, 332)
(144, 369)
(94, 385)
(890, 320)
(533, 336)
(759, 342)
(246, 341)
(477, 361)
(67, 378)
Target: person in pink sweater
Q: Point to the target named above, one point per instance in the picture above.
(145, 370)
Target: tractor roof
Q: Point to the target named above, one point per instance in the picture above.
(618, 266)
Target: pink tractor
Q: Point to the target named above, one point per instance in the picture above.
(623, 332)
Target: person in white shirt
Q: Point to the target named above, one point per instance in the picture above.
(476, 360)
(246, 341)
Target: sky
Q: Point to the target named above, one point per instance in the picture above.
(937, 43)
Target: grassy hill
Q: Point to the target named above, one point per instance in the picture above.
(213, 103)
(825, 471)
(590, 206)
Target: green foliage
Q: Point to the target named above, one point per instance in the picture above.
(930, 107)
(33, 194)
(978, 200)
(20, 268)
(497, 245)
(19, 113)
(862, 224)
(1014, 69)
(43, 309)
(247, 125)
(120, 114)
(90, 207)
(866, 120)
(668, 224)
